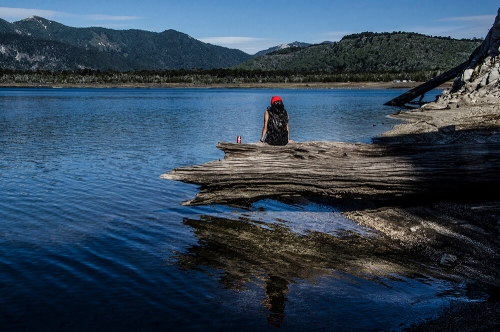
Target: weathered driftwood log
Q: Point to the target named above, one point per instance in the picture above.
(427, 86)
(250, 172)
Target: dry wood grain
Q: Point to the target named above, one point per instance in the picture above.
(250, 172)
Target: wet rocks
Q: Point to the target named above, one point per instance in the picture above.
(455, 239)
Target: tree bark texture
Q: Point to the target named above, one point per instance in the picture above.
(250, 172)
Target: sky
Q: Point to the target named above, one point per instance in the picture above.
(256, 25)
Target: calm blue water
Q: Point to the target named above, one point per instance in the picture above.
(92, 239)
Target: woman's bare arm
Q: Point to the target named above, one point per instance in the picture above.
(264, 128)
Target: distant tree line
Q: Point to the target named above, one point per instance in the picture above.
(368, 34)
(204, 76)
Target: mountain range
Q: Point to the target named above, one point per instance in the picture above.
(37, 43)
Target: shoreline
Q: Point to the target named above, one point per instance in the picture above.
(310, 85)
(464, 227)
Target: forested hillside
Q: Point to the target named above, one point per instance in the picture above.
(370, 52)
(28, 53)
(36, 43)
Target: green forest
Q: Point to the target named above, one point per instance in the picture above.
(203, 77)
(370, 52)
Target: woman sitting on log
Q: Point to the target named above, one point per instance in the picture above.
(276, 130)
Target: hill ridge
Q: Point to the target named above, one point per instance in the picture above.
(370, 52)
(126, 50)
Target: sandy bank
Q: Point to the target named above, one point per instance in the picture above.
(467, 123)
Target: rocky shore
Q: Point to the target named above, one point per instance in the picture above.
(461, 237)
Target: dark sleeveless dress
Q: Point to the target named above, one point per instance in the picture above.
(277, 134)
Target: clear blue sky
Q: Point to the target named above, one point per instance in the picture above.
(255, 25)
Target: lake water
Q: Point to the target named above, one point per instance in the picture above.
(92, 239)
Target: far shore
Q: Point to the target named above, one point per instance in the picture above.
(311, 85)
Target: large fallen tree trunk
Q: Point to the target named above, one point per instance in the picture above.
(250, 172)
(427, 86)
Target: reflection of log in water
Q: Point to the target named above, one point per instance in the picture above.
(245, 250)
(242, 249)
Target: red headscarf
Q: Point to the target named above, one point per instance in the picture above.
(275, 99)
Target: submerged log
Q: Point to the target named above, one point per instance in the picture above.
(250, 172)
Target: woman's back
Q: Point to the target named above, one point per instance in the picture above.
(277, 132)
